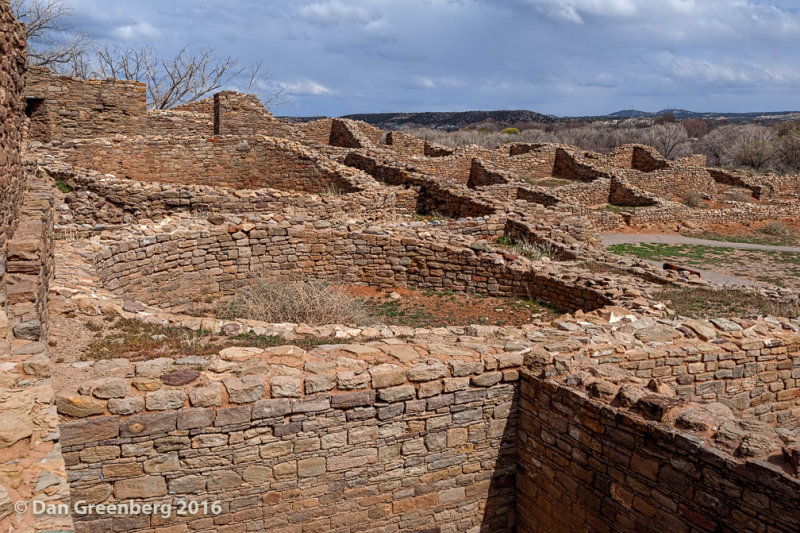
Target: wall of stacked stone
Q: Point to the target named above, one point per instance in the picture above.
(753, 376)
(12, 82)
(232, 161)
(636, 157)
(436, 150)
(74, 108)
(96, 199)
(615, 471)
(178, 123)
(29, 263)
(623, 193)
(434, 195)
(244, 114)
(569, 166)
(404, 143)
(170, 270)
(668, 212)
(360, 438)
(318, 131)
(348, 133)
(672, 183)
(532, 161)
(594, 193)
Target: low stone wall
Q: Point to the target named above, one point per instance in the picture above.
(404, 143)
(345, 438)
(673, 183)
(30, 264)
(318, 131)
(68, 108)
(243, 114)
(99, 200)
(178, 123)
(171, 270)
(233, 161)
(756, 377)
(615, 471)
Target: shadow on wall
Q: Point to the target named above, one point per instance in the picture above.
(500, 512)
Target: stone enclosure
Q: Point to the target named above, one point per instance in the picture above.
(616, 416)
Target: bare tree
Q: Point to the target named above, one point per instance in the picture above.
(748, 145)
(183, 78)
(789, 150)
(666, 138)
(50, 42)
(696, 127)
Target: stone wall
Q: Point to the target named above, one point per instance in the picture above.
(12, 178)
(318, 131)
(67, 108)
(95, 199)
(243, 114)
(178, 123)
(170, 270)
(759, 378)
(584, 465)
(231, 161)
(29, 263)
(404, 143)
(347, 438)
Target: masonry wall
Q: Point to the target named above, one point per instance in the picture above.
(124, 201)
(12, 82)
(71, 108)
(587, 466)
(169, 270)
(318, 131)
(404, 143)
(336, 442)
(243, 114)
(235, 162)
(755, 377)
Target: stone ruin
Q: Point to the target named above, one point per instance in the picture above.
(616, 416)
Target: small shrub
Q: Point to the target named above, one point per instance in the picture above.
(776, 228)
(313, 302)
(63, 186)
(693, 199)
(510, 131)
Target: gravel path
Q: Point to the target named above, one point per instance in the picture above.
(716, 278)
(625, 238)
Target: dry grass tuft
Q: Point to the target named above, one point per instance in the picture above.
(313, 302)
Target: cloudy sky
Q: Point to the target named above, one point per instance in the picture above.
(563, 57)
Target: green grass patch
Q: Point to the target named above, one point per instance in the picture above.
(702, 302)
(62, 185)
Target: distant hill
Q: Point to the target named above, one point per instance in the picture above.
(682, 114)
(451, 120)
(455, 120)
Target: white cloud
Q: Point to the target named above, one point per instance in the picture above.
(427, 82)
(135, 32)
(336, 12)
(574, 10)
(305, 87)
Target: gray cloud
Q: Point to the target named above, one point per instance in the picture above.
(566, 57)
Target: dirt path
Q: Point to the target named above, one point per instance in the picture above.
(713, 276)
(625, 238)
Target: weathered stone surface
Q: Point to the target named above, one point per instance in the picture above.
(140, 488)
(38, 365)
(126, 406)
(148, 424)
(79, 406)
(90, 430)
(164, 399)
(208, 396)
(245, 390)
(110, 388)
(387, 375)
(396, 394)
(14, 427)
(427, 371)
(271, 408)
(194, 417)
(232, 415)
(183, 376)
(286, 387)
